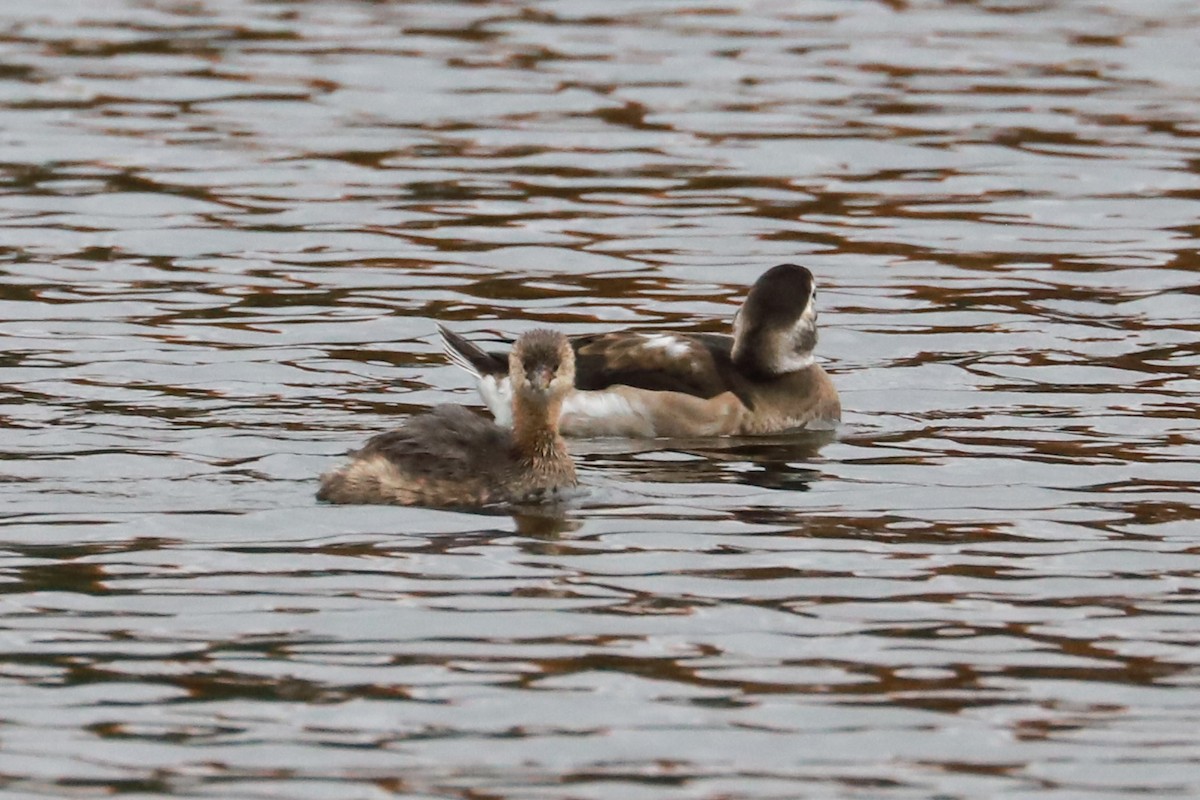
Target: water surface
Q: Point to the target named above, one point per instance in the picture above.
(227, 228)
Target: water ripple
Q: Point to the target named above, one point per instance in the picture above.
(227, 228)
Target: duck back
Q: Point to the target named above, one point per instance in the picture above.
(447, 457)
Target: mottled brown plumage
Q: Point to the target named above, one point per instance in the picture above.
(453, 457)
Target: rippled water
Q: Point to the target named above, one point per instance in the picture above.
(226, 228)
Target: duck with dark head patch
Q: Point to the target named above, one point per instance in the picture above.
(763, 379)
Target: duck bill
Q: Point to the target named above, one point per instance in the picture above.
(540, 377)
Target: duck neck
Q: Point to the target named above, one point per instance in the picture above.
(774, 353)
(535, 429)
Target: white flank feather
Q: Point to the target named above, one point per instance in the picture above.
(498, 397)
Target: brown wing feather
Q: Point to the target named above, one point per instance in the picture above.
(696, 365)
(447, 443)
(471, 356)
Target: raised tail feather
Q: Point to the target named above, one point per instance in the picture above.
(490, 371)
(470, 357)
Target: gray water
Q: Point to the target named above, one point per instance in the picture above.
(226, 231)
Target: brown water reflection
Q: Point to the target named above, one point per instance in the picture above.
(227, 227)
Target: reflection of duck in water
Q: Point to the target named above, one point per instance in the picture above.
(453, 457)
(763, 379)
(775, 461)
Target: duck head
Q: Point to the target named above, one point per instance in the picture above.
(541, 366)
(775, 330)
